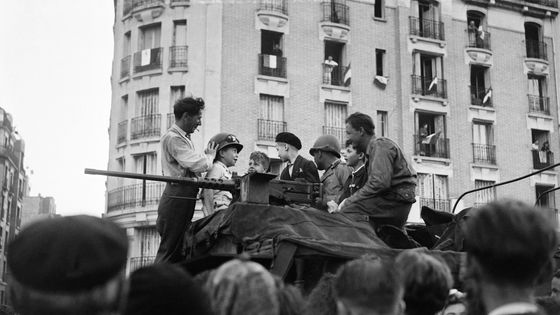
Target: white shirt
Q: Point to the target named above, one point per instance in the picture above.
(179, 157)
(515, 308)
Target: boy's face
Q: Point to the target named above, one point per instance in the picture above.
(352, 157)
(255, 167)
(229, 156)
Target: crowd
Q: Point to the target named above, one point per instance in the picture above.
(76, 265)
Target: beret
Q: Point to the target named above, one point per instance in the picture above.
(289, 138)
(68, 254)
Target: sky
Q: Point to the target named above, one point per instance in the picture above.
(55, 68)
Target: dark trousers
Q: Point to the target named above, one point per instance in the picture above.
(175, 212)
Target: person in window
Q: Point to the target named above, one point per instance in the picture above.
(422, 134)
(277, 51)
(472, 30)
(544, 152)
(330, 64)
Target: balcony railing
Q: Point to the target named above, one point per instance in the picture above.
(9, 152)
(280, 6)
(438, 148)
(481, 96)
(538, 104)
(334, 76)
(122, 132)
(436, 204)
(542, 159)
(484, 153)
(147, 59)
(426, 28)
(268, 129)
(429, 86)
(272, 65)
(536, 49)
(178, 56)
(338, 132)
(548, 3)
(336, 12)
(477, 39)
(170, 120)
(134, 196)
(145, 126)
(125, 67)
(139, 262)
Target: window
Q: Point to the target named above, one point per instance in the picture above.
(335, 64)
(335, 116)
(379, 9)
(124, 108)
(121, 167)
(126, 44)
(535, 47)
(546, 200)
(485, 196)
(145, 163)
(433, 191)
(480, 87)
(271, 120)
(428, 76)
(180, 33)
(269, 40)
(177, 93)
(382, 123)
(430, 139)
(484, 150)
(150, 37)
(149, 242)
(147, 102)
(5, 250)
(379, 61)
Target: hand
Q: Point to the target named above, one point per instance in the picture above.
(211, 148)
(332, 206)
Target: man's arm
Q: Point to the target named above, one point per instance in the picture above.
(188, 158)
(310, 172)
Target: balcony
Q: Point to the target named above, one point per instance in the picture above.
(178, 56)
(478, 40)
(125, 67)
(426, 28)
(429, 86)
(436, 204)
(481, 96)
(279, 6)
(273, 66)
(136, 5)
(145, 126)
(546, 3)
(542, 159)
(122, 132)
(268, 129)
(170, 120)
(536, 49)
(335, 12)
(484, 153)
(538, 104)
(134, 196)
(8, 152)
(334, 76)
(142, 261)
(438, 148)
(147, 59)
(338, 132)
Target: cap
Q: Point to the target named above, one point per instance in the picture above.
(289, 138)
(68, 254)
(327, 143)
(225, 140)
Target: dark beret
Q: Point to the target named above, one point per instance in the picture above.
(165, 289)
(289, 138)
(68, 254)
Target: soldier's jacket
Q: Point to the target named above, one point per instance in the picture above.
(333, 180)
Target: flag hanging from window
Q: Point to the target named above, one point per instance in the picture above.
(487, 96)
(145, 57)
(270, 61)
(434, 82)
(348, 75)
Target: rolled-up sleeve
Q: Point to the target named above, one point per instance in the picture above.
(188, 158)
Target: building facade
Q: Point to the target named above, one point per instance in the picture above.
(37, 208)
(467, 88)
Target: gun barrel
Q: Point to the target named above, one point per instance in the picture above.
(200, 183)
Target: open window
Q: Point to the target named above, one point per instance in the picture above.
(271, 58)
(535, 46)
(335, 65)
(540, 149)
(480, 86)
(430, 138)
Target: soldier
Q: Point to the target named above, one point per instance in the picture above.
(326, 152)
(227, 153)
(179, 159)
(288, 146)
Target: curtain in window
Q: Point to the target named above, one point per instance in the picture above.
(147, 102)
(272, 107)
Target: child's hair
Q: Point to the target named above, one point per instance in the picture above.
(261, 158)
(356, 147)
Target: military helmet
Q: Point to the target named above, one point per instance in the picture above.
(326, 143)
(226, 140)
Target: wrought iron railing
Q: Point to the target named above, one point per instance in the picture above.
(432, 148)
(147, 59)
(436, 204)
(481, 96)
(170, 120)
(122, 132)
(134, 196)
(429, 86)
(338, 132)
(268, 129)
(8, 151)
(335, 75)
(538, 104)
(426, 28)
(336, 12)
(536, 49)
(542, 159)
(484, 153)
(272, 65)
(145, 126)
(477, 39)
(280, 6)
(178, 56)
(125, 67)
(548, 3)
(142, 261)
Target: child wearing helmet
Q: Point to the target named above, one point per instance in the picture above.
(227, 153)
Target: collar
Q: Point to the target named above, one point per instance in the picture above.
(359, 168)
(290, 162)
(515, 308)
(333, 165)
(221, 164)
(180, 131)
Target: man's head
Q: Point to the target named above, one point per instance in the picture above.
(555, 286)
(228, 148)
(68, 265)
(258, 162)
(509, 244)
(188, 113)
(325, 151)
(359, 129)
(287, 144)
(368, 286)
(329, 58)
(353, 154)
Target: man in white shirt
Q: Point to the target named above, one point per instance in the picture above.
(180, 159)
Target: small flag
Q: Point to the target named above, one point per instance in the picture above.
(431, 139)
(481, 32)
(348, 75)
(487, 96)
(434, 82)
(146, 54)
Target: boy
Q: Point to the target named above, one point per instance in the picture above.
(258, 162)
